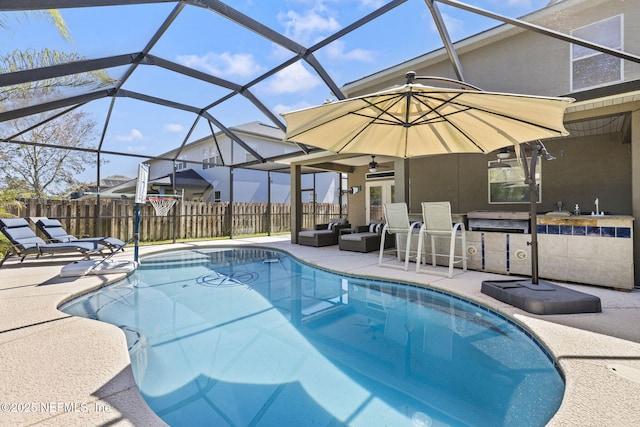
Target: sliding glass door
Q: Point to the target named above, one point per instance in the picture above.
(377, 194)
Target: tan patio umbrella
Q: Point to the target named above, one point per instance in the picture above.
(415, 120)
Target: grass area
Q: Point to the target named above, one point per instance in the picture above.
(5, 245)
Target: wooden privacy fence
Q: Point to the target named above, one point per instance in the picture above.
(188, 220)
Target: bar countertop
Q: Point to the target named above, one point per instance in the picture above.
(585, 220)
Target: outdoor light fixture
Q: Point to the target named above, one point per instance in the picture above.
(353, 190)
(373, 165)
(503, 154)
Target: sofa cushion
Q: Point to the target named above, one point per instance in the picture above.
(376, 227)
(313, 233)
(336, 221)
(357, 237)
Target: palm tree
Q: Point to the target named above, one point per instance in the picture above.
(49, 88)
(29, 59)
(52, 15)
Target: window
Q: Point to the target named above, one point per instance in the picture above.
(180, 164)
(590, 68)
(217, 196)
(211, 162)
(506, 185)
(210, 158)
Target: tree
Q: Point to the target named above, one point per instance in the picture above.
(30, 59)
(42, 166)
(52, 15)
(37, 167)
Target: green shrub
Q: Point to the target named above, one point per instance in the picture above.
(4, 245)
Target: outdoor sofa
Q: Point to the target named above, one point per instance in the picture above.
(52, 228)
(24, 242)
(323, 234)
(365, 238)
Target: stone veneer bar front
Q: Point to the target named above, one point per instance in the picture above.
(594, 250)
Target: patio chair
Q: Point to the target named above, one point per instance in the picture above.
(396, 217)
(52, 228)
(25, 242)
(438, 224)
(365, 238)
(323, 234)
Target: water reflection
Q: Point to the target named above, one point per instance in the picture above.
(214, 331)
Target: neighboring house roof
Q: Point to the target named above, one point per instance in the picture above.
(256, 129)
(186, 178)
(114, 180)
(261, 130)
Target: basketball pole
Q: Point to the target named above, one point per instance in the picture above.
(136, 232)
(141, 196)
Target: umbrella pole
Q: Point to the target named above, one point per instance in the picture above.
(533, 193)
(530, 179)
(534, 296)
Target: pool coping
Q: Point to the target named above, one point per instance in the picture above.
(49, 359)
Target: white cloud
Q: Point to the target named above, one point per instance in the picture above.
(282, 108)
(135, 134)
(372, 4)
(223, 64)
(305, 27)
(136, 149)
(519, 3)
(514, 3)
(294, 78)
(173, 127)
(336, 50)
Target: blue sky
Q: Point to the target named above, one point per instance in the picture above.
(204, 40)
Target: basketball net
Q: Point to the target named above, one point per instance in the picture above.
(162, 205)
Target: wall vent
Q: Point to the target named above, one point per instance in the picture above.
(380, 175)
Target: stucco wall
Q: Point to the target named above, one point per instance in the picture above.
(584, 169)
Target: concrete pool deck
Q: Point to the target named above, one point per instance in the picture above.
(59, 370)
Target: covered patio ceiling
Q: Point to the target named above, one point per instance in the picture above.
(139, 43)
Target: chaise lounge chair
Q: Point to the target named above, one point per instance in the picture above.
(25, 242)
(365, 238)
(323, 234)
(52, 228)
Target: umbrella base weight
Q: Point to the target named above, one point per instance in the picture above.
(541, 298)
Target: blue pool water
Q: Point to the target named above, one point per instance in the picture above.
(252, 337)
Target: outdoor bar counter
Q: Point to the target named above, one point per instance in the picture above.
(595, 250)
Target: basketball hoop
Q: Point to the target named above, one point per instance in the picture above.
(162, 205)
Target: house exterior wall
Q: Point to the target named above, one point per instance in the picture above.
(586, 167)
(518, 60)
(250, 185)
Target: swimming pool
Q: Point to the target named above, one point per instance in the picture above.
(250, 336)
